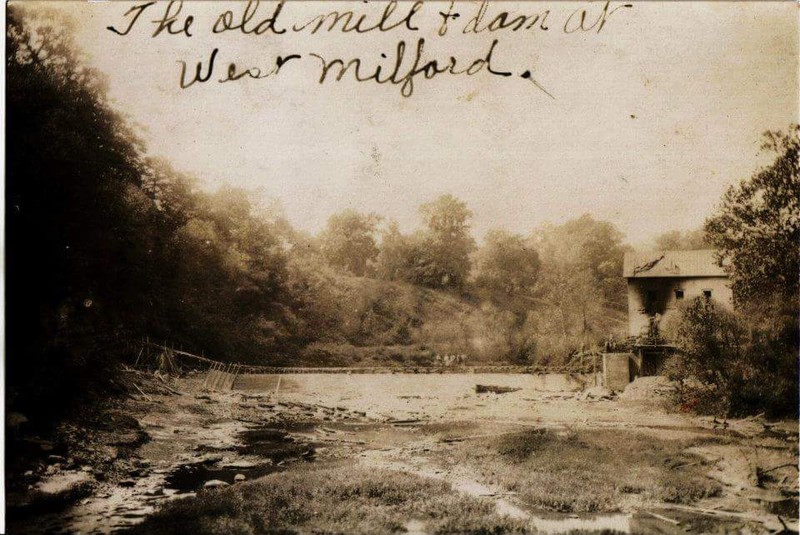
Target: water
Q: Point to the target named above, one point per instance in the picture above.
(275, 444)
(409, 384)
(192, 477)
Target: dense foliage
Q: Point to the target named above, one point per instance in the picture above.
(675, 240)
(109, 245)
(757, 226)
(348, 242)
(733, 365)
(746, 361)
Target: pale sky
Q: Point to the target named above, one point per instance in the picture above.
(652, 118)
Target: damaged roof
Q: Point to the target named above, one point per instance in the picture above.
(700, 263)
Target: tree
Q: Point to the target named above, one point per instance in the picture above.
(580, 294)
(395, 258)
(689, 240)
(712, 341)
(508, 268)
(733, 364)
(756, 228)
(82, 233)
(590, 245)
(348, 241)
(446, 243)
(748, 360)
(107, 245)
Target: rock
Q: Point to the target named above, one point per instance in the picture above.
(52, 459)
(215, 483)
(119, 422)
(649, 388)
(203, 396)
(246, 464)
(130, 438)
(139, 472)
(239, 477)
(109, 453)
(212, 458)
(595, 393)
(15, 419)
(64, 487)
(127, 483)
(52, 469)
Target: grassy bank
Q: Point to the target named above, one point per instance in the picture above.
(331, 499)
(586, 471)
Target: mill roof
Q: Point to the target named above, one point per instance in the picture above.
(699, 263)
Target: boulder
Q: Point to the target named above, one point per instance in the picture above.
(215, 484)
(64, 487)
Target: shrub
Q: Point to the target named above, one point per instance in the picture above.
(736, 363)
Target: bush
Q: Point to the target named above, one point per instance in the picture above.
(733, 364)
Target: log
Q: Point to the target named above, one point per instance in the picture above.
(148, 398)
(787, 465)
(664, 518)
(483, 389)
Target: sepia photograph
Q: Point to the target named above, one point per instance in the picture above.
(401, 267)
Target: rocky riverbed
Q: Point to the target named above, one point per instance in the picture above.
(172, 440)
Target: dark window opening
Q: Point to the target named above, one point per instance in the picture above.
(678, 294)
(707, 294)
(650, 302)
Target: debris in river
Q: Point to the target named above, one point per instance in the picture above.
(596, 393)
(483, 389)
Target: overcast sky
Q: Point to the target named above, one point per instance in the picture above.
(652, 118)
